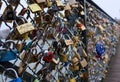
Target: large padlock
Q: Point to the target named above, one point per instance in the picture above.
(24, 28)
(17, 79)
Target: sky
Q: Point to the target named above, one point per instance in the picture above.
(111, 7)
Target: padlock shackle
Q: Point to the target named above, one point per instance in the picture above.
(9, 69)
(9, 42)
(20, 17)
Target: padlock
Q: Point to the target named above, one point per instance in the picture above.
(59, 4)
(8, 14)
(80, 25)
(47, 17)
(38, 19)
(24, 28)
(36, 80)
(83, 63)
(100, 49)
(73, 80)
(8, 55)
(48, 57)
(48, 3)
(63, 58)
(67, 41)
(17, 79)
(67, 7)
(34, 8)
(75, 59)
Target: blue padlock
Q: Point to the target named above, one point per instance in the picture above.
(8, 55)
(17, 79)
(100, 49)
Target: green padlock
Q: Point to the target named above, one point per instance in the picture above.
(36, 80)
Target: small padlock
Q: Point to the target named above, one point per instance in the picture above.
(67, 7)
(73, 80)
(34, 8)
(80, 25)
(36, 80)
(64, 58)
(48, 56)
(83, 63)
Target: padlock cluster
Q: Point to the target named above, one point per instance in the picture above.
(57, 40)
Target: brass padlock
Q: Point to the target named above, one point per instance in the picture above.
(34, 8)
(67, 7)
(73, 80)
(64, 58)
(24, 28)
(83, 63)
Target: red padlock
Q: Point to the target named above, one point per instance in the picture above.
(48, 57)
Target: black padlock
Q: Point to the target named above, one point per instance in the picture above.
(55, 44)
(9, 14)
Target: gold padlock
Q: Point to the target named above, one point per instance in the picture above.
(48, 3)
(67, 7)
(73, 80)
(24, 28)
(19, 46)
(34, 8)
(64, 58)
(84, 63)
